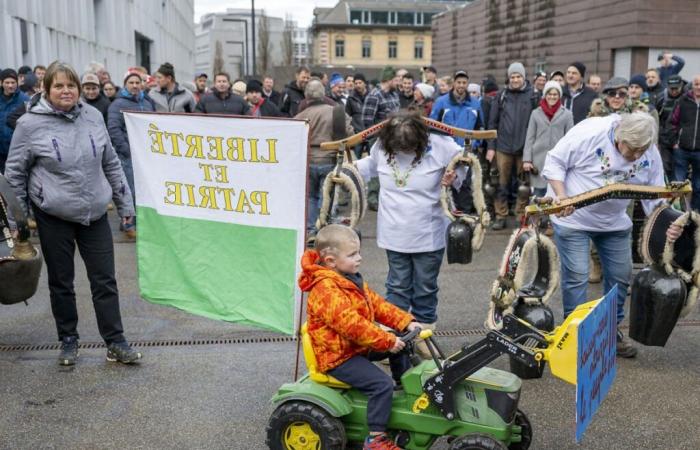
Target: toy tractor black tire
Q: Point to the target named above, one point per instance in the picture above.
(476, 441)
(298, 421)
(523, 422)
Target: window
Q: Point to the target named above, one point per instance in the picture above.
(418, 50)
(24, 39)
(427, 18)
(393, 49)
(392, 17)
(296, 48)
(419, 18)
(405, 18)
(355, 17)
(340, 48)
(540, 66)
(365, 17)
(380, 17)
(366, 48)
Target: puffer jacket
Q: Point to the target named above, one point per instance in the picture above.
(341, 316)
(115, 118)
(685, 120)
(180, 100)
(65, 163)
(7, 107)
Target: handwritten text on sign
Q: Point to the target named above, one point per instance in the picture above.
(596, 359)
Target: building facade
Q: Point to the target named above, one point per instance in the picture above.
(611, 38)
(301, 42)
(233, 32)
(373, 34)
(116, 33)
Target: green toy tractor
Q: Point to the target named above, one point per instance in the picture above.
(455, 396)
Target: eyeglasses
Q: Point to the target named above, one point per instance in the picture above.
(618, 94)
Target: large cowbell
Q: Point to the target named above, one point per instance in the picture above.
(657, 300)
(459, 243)
(20, 261)
(541, 317)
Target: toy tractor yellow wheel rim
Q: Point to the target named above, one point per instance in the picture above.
(300, 436)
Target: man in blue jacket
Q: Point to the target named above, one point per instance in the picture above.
(10, 99)
(458, 109)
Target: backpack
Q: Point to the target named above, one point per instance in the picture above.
(534, 99)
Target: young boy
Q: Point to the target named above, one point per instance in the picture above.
(342, 312)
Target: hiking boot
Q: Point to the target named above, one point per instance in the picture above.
(595, 272)
(122, 352)
(625, 349)
(130, 230)
(69, 351)
(499, 224)
(379, 442)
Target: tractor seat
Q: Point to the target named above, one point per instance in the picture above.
(310, 357)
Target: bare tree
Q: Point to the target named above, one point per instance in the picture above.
(218, 57)
(262, 65)
(287, 43)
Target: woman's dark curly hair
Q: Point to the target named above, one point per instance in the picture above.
(406, 132)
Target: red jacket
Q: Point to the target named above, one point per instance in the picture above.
(341, 316)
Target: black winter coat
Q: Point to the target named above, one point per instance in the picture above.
(686, 122)
(579, 105)
(353, 108)
(291, 99)
(101, 103)
(510, 115)
(215, 103)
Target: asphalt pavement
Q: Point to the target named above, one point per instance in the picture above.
(187, 394)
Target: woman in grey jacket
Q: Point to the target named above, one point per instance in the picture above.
(548, 123)
(61, 162)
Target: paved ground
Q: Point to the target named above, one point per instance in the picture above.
(216, 396)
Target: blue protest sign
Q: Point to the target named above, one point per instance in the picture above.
(596, 366)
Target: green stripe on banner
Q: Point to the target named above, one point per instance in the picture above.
(224, 271)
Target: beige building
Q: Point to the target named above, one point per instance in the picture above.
(375, 34)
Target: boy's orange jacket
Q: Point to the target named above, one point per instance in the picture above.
(341, 317)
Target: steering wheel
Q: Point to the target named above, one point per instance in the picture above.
(411, 335)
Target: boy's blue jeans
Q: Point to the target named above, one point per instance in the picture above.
(372, 381)
(411, 283)
(615, 252)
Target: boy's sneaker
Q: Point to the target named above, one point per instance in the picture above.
(69, 351)
(379, 442)
(624, 348)
(122, 352)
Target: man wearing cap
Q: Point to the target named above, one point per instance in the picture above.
(131, 97)
(685, 120)
(577, 97)
(356, 100)
(200, 83)
(558, 76)
(382, 101)
(510, 114)
(457, 107)
(10, 99)
(639, 98)
(614, 99)
(337, 89)
(667, 103)
(538, 83)
(92, 95)
(259, 105)
(169, 96)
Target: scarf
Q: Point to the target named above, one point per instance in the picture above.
(549, 111)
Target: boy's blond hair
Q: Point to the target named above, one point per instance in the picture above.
(332, 237)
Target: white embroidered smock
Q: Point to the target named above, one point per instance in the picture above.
(586, 158)
(410, 218)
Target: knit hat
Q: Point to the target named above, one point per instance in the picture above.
(387, 73)
(359, 76)
(552, 85)
(239, 87)
(336, 78)
(90, 78)
(490, 85)
(473, 87)
(131, 73)
(615, 83)
(8, 73)
(580, 67)
(516, 67)
(426, 90)
(639, 80)
(253, 86)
